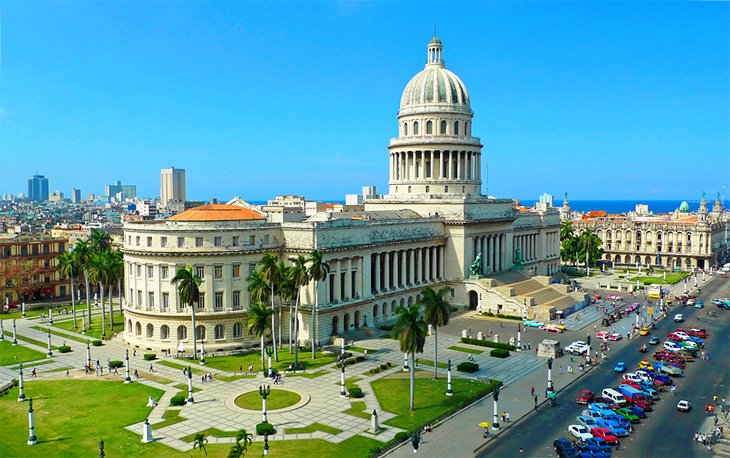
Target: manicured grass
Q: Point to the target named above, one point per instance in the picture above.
(358, 410)
(211, 432)
(63, 335)
(71, 416)
(465, 350)
(430, 398)
(32, 341)
(350, 382)
(95, 329)
(184, 387)
(170, 418)
(277, 399)
(369, 351)
(354, 447)
(18, 315)
(312, 428)
(308, 374)
(235, 363)
(428, 362)
(17, 354)
(232, 378)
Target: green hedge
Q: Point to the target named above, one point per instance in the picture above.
(64, 349)
(264, 428)
(150, 356)
(487, 343)
(178, 400)
(356, 392)
(467, 366)
(509, 317)
(499, 353)
(97, 343)
(115, 364)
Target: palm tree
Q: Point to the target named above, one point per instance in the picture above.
(82, 255)
(318, 271)
(410, 330)
(299, 278)
(258, 324)
(100, 240)
(68, 268)
(285, 293)
(258, 288)
(118, 267)
(243, 440)
(99, 273)
(436, 312)
(188, 287)
(270, 272)
(115, 274)
(200, 441)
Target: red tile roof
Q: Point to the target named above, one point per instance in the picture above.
(217, 212)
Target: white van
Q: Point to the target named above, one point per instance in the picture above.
(615, 396)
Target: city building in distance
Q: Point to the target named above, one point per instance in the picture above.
(172, 189)
(433, 228)
(128, 191)
(75, 196)
(38, 188)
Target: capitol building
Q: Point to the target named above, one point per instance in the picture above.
(428, 230)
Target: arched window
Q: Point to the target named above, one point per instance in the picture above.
(219, 331)
(182, 333)
(164, 332)
(200, 332)
(443, 128)
(456, 127)
(129, 326)
(150, 330)
(237, 330)
(429, 128)
(375, 310)
(138, 329)
(385, 309)
(415, 128)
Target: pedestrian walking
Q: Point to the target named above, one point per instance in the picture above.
(504, 417)
(151, 369)
(535, 398)
(532, 391)
(507, 417)
(69, 376)
(570, 369)
(673, 389)
(561, 369)
(134, 352)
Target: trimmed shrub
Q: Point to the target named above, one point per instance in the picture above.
(390, 364)
(356, 392)
(383, 367)
(374, 370)
(97, 343)
(402, 436)
(489, 313)
(499, 353)
(178, 400)
(467, 366)
(509, 317)
(264, 428)
(115, 364)
(150, 356)
(64, 349)
(487, 343)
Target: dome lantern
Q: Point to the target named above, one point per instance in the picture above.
(435, 49)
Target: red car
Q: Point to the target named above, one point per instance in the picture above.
(695, 332)
(585, 397)
(674, 337)
(605, 434)
(631, 384)
(596, 296)
(639, 401)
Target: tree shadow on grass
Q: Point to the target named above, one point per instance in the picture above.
(47, 441)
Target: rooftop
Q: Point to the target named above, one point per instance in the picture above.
(217, 212)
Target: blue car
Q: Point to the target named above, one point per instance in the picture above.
(697, 340)
(617, 431)
(589, 451)
(601, 444)
(619, 367)
(648, 388)
(638, 411)
(663, 378)
(699, 304)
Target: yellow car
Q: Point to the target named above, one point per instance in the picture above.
(646, 365)
(644, 331)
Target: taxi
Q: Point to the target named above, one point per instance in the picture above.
(646, 365)
(644, 331)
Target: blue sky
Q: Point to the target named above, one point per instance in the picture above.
(602, 100)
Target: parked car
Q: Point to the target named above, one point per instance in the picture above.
(585, 420)
(585, 397)
(684, 406)
(627, 414)
(654, 341)
(678, 318)
(619, 367)
(601, 443)
(577, 348)
(564, 448)
(699, 304)
(580, 432)
(698, 332)
(613, 425)
(533, 323)
(605, 435)
(615, 336)
(603, 335)
(553, 328)
(638, 411)
(631, 376)
(672, 346)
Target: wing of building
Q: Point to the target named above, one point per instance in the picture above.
(434, 228)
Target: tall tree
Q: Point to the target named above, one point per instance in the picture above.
(258, 324)
(299, 278)
(318, 271)
(188, 287)
(82, 253)
(436, 312)
(588, 242)
(270, 272)
(568, 242)
(199, 442)
(285, 293)
(115, 272)
(243, 440)
(258, 288)
(99, 275)
(68, 268)
(410, 330)
(100, 240)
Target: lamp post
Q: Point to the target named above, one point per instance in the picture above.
(50, 352)
(449, 392)
(269, 353)
(15, 334)
(264, 391)
(343, 392)
(190, 386)
(101, 449)
(495, 420)
(266, 443)
(32, 440)
(519, 337)
(550, 374)
(127, 379)
(83, 322)
(88, 354)
(405, 363)
(2, 331)
(21, 391)
(202, 352)
(50, 315)
(22, 310)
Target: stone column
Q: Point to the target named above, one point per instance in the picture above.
(427, 264)
(337, 284)
(387, 280)
(396, 269)
(377, 272)
(419, 266)
(348, 280)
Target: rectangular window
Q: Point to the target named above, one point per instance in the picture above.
(139, 270)
(235, 240)
(180, 242)
(131, 295)
(150, 271)
(149, 241)
(164, 272)
(201, 301)
(163, 242)
(198, 241)
(251, 268)
(343, 279)
(217, 241)
(129, 239)
(136, 240)
(236, 270)
(236, 299)
(200, 271)
(331, 281)
(353, 284)
(150, 300)
(218, 271)
(139, 297)
(165, 301)
(219, 300)
(252, 240)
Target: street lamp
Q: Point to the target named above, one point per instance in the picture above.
(264, 391)
(190, 386)
(127, 379)
(449, 392)
(15, 334)
(50, 352)
(405, 363)
(22, 310)
(519, 337)
(50, 315)
(101, 448)
(343, 392)
(88, 354)
(266, 443)
(202, 352)
(495, 421)
(550, 374)
(21, 392)
(269, 353)
(2, 331)
(32, 440)
(83, 322)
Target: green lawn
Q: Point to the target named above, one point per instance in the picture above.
(235, 363)
(309, 374)
(369, 351)
(61, 434)
(312, 428)
(277, 399)
(465, 350)
(17, 354)
(350, 382)
(17, 314)
(354, 447)
(212, 432)
(430, 398)
(63, 335)
(428, 362)
(170, 418)
(184, 387)
(358, 410)
(32, 341)
(95, 329)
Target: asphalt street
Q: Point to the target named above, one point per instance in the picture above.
(665, 432)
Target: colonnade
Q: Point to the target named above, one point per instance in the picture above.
(344, 282)
(493, 248)
(395, 269)
(528, 244)
(438, 165)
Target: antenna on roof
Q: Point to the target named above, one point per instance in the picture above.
(434, 29)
